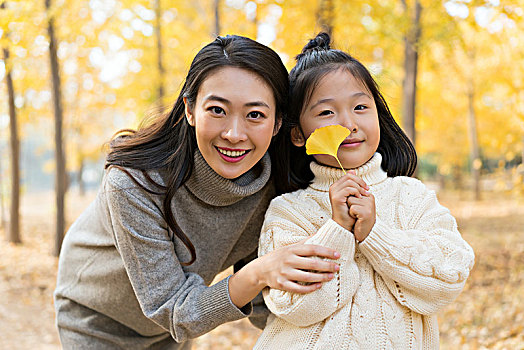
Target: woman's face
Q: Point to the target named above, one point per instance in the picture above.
(234, 120)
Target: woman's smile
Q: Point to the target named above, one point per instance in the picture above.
(232, 155)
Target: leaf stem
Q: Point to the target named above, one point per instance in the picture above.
(340, 165)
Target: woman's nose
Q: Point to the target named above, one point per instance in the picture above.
(234, 131)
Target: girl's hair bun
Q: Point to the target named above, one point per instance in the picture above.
(320, 42)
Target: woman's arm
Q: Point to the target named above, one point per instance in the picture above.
(282, 269)
(425, 266)
(178, 301)
(286, 225)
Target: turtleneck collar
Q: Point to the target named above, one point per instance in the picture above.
(216, 190)
(370, 172)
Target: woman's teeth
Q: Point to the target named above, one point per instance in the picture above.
(232, 153)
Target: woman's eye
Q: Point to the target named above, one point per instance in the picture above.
(216, 110)
(326, 112)
(255, 115)
(360, 107)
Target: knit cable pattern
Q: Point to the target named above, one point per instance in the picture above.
(389, 287)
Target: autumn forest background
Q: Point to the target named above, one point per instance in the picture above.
(74, 72)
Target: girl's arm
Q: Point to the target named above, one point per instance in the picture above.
(426, 264)
(288, 223)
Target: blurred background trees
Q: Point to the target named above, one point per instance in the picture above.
(452, 72)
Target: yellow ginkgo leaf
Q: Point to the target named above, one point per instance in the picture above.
(326, 140)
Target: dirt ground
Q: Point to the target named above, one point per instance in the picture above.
(489, 314)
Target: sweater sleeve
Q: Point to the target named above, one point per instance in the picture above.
(176, 300)
(425, 265)
(285, 224)
(260, 312)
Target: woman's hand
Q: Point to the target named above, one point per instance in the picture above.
(347, 186)
(283, 269)
(362, 210)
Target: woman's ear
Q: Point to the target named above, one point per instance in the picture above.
(278, 124)
(189, 115)
(297, 138)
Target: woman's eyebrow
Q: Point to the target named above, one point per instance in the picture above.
(216, 98)
(226, 101)
(257, 104)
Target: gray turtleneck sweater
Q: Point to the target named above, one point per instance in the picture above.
(119, 267)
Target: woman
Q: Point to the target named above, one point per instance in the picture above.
(183, 199)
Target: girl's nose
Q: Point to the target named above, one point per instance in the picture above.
(234, 131)
(350, 123)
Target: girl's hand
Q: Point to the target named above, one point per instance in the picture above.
(347, 186)
(284, 268)
(362, 210)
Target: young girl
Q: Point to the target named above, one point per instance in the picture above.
(402, 258)
(181, 200)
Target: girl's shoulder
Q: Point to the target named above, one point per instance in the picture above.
(406, 182)
(295, 197)
(409, 188)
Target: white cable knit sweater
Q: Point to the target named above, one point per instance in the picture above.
(389, 287)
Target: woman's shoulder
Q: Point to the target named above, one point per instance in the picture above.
(125, 178)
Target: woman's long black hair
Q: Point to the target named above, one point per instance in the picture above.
(316, 60)
(169, 142)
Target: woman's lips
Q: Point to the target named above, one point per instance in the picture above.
(232, 155)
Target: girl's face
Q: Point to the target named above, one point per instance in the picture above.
(234, 120)
(341, 99)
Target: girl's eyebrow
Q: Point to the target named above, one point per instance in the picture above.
(324, 100)
(226, 101)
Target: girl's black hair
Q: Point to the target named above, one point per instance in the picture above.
(169, 142)
(316, 61)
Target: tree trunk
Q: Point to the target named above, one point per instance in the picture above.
(325, 16)
(217, 19)
(522, 156)
(79, 178)
(158, 13)
(476, 163)
(60, 176)
(2, 205)
(13, 234)
(409, 85)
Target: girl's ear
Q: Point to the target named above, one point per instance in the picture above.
(189, 115)
(297, 138)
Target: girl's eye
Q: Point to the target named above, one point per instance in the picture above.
(255, 115)
(216, 110)
(326, 112)
(360, 107)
